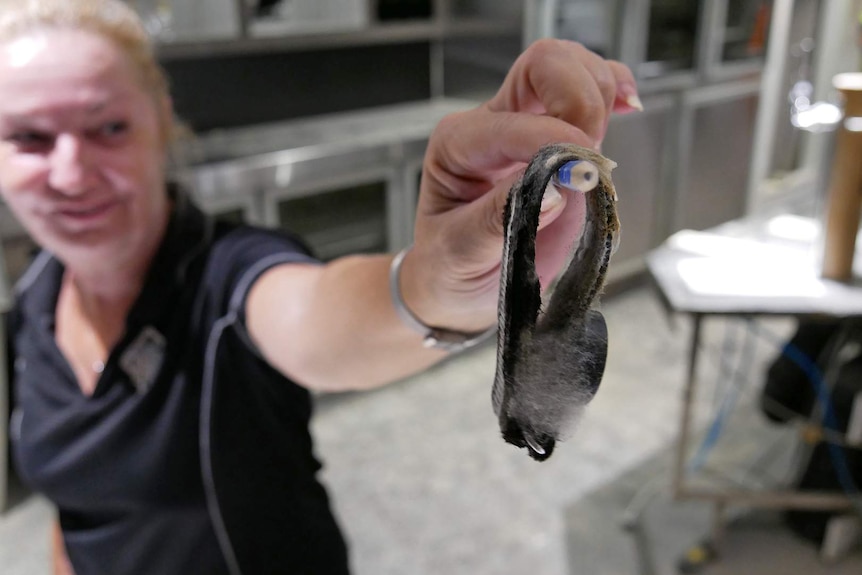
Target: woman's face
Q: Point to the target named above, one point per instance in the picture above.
(81, 146)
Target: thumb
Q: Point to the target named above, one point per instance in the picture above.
(553, 204)
(552, 245)
(475, 230)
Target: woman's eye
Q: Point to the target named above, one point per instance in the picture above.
(108, 132)
(112, 129)
(30, 140)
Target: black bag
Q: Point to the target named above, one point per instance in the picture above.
(788, 391)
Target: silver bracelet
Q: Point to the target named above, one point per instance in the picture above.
(433, 337)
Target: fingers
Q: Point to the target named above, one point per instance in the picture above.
(567, 81)
(561, 223)
(473, 232)
(556, 203)
(627, 99)
(470, 151)
(557, 91)
(558, 235)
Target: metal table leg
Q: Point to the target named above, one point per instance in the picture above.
(687, 401)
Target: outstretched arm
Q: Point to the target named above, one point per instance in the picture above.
(59, 559)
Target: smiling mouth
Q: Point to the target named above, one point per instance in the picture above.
(86, 213)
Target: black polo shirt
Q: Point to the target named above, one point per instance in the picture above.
(193, 455)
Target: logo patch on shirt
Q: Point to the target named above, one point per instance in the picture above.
(143, 358)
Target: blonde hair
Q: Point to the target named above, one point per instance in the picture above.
(113, 20)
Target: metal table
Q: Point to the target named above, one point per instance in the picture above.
(767, 266)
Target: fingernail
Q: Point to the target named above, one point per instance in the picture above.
(552, 198)
(628, 95)
(635, 102)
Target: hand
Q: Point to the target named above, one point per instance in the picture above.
(556, 91)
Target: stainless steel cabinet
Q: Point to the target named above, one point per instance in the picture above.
(204, 28)
(340, 221)
(672, 35)
(713, 184)
(688, 161)
(745, 30)
(641, 145)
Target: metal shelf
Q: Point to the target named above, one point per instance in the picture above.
(374, 34)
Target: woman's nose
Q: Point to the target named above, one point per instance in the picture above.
(71, 168)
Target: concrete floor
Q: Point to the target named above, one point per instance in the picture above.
(424, 485)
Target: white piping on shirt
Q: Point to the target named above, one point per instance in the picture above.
(205, 444)
(234, 308)
(33, 271)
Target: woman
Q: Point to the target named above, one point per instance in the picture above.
(163, 362)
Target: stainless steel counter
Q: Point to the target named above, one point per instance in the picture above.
(253, 169)
(368, 127)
